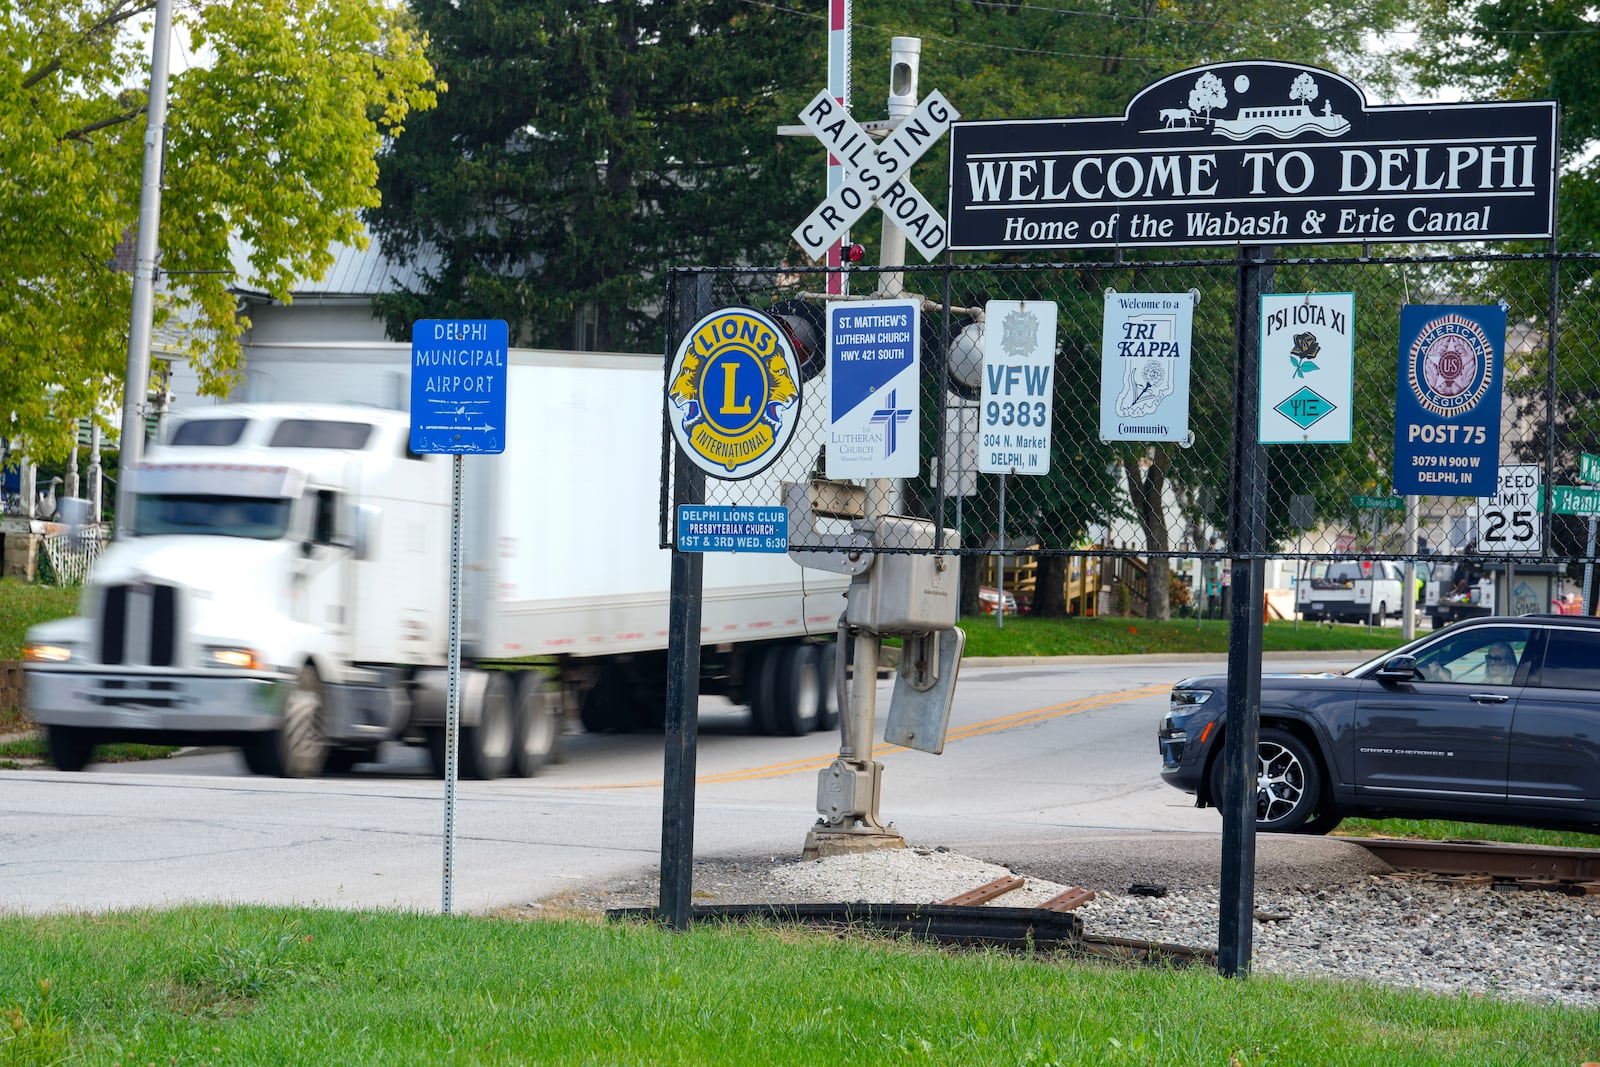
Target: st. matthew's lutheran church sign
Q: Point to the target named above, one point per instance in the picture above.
(1255, 153)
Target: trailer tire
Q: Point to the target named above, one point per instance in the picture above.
(828, 696)
(486, 746)
(795, 689)
(538, 727)
(758, 688)
(71, 747)
(298, 748)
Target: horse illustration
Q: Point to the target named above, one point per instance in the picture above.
(1172, 116)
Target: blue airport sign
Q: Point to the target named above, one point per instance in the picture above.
(458, 386)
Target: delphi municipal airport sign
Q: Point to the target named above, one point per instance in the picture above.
(1255, 153)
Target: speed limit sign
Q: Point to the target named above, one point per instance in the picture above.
(1510, 521)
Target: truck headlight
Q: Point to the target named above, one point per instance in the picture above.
(46, 653)
(234, 657)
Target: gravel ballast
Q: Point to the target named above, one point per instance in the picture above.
(1372, 924)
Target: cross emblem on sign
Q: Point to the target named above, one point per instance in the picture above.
(876, 174)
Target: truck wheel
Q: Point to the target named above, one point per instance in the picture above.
(298, 748)
(538, 727)
(1288, 786)
(795, 690)
(758, 668)
(828, 696)
(71, 747)
(1381, 614)
(486, 747)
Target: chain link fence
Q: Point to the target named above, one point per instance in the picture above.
(1141, 528)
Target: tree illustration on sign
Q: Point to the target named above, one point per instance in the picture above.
(1304, 89)
(1207, 95)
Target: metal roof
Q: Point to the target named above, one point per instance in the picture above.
(354, 272)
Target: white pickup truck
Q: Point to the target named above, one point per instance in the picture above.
(1351, 591)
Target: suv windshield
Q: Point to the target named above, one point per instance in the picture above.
(264, 518)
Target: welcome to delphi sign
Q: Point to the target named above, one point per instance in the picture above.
(1255, 153)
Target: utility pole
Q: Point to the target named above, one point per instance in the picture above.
(145, 268)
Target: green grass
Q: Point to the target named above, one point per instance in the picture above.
(1024, 635)
(251, 986)
(23, 604)
(1437, 830)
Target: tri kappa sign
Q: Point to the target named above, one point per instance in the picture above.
(876, 174)
(1255, 153)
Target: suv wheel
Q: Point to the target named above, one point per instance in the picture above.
(1288, 783)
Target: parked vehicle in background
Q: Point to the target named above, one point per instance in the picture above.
(989, 601)
(286, 587)
(1351, 591)
(1493, 720)
(1461, 593)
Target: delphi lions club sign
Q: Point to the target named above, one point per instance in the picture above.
(1255, 153)
(733, 394)
(1144, 366)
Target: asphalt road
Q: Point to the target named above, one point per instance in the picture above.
(1037, 756)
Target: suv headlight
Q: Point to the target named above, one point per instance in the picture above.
(43, 652)
(1189, 699)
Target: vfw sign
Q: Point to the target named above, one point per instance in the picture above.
(1255, 153)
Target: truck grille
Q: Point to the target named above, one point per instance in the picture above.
(139, 625)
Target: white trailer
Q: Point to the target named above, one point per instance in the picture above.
(286, 585)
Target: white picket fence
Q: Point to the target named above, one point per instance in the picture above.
(72, 554)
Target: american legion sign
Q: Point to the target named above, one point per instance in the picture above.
(1255, 153)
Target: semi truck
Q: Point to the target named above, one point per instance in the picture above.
(284, 582)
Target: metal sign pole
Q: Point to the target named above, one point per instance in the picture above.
(1588, 571)
(455, 415)
(452, 729)
(690, 302)
(1248, 541)
(1000, 596)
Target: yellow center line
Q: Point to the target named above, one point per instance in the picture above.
(990, 726)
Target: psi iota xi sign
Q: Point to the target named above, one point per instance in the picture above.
(876, 174)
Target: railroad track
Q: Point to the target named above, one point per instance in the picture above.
(1575, 871)
(967, 919)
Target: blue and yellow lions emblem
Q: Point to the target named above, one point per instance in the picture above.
(734, 392)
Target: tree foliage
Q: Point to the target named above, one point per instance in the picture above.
(1525, 49)
(584, 148)
(272, 138)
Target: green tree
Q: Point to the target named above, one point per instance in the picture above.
(584, 148)
(271, 138)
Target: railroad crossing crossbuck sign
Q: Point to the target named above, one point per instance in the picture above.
(876, 175)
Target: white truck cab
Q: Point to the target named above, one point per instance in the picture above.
(251, 591)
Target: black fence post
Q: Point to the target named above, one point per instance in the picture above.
(1247, 544)
(693, 301)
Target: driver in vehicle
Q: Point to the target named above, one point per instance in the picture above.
(1499, 664)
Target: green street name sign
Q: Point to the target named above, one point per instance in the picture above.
(1379, 503)
(1589, 468)
(1575, 500)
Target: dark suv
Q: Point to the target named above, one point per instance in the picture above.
(1491, 720)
